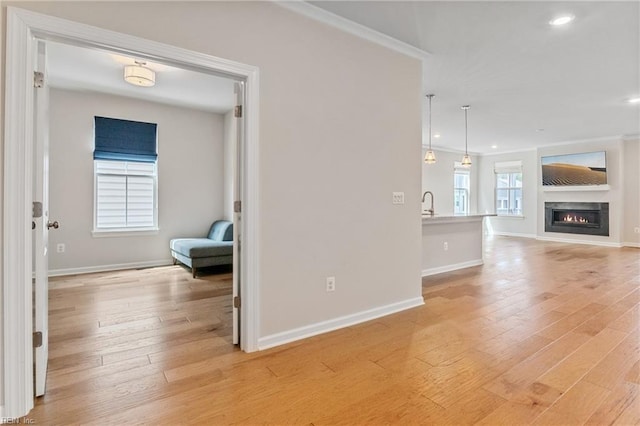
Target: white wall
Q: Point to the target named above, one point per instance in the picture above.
(631, 195)
(438, 178)
(464, 240)
(190, 178)
(518, 226)
(340, 130)
(614, 196)
(623, 195)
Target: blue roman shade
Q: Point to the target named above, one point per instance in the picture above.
(124, 140)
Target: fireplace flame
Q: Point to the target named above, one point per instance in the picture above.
(574, 218)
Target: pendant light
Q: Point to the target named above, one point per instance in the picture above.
(466, 160)
(430, 157)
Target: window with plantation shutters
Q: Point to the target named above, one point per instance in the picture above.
(125, 194)
(125, 179)
(508, 188)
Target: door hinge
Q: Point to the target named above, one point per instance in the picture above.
(237, 206)
(37, 209)
(236, 302)
(237, 112)
(37, 339)
(38, 79)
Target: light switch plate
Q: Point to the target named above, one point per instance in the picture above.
(398, 198)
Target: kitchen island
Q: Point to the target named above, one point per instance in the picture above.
(451, 242)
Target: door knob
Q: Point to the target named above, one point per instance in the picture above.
(54, 225)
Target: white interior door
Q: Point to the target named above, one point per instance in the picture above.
(42, 224)
(237, 209)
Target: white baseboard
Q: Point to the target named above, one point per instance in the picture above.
(587, 242)
(452, 267)
(514, 234)
(630, 244)
(107, 268)
(278, 339)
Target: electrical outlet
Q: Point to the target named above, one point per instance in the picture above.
(331, 283)
(445, 246)
(60, 248)
(636, 230)
(398, 198)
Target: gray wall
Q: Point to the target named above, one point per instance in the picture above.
(520, 226)
(631, 194)
(438, 178)
(614, 196)
(340, 131)
(190, 178)
(622, 195)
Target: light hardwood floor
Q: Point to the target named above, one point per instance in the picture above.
(543, 333)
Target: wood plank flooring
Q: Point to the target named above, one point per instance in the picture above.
(543, 333)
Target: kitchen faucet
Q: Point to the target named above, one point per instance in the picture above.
(430, 210)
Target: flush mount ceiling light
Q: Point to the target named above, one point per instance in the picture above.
(430, 157)
(561, 20)
(634, 101)
(139, 75)
(466, 160)
(437, 135)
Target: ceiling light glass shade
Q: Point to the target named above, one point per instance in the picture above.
(562, 20)
(139, 75)
(466, 161)
(430, 157)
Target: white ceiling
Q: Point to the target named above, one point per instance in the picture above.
(518, 73)
(78, 68)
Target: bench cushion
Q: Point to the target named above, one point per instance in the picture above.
(201, 247)
(221, 230)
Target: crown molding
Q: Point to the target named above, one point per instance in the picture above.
(310, 11)
(614, 138)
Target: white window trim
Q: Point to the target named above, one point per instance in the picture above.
(458, 168)
(503, 168)
(124, 232)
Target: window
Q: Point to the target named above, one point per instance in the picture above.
(125, 195)
(509, 188)
(461, 178)
(125, 176)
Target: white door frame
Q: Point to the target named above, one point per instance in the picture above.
(23, 27)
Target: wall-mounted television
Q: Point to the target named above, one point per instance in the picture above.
(589, 168)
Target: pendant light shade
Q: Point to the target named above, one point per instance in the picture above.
(466, 159)
(139, 75)
(430, 156)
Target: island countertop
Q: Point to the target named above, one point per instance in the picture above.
(428, 219)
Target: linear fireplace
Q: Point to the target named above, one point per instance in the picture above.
(577, 218)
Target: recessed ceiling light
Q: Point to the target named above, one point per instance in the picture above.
(634, 100)
(437, 135)
(562, 20)
(494, 146)
(539, 130)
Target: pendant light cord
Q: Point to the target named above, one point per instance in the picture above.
(430, 96)
(465, 132)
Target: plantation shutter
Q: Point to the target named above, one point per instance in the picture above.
(125, 194)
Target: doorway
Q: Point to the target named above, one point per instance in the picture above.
(24, 29)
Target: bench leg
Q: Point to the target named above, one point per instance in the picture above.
(193, 271)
